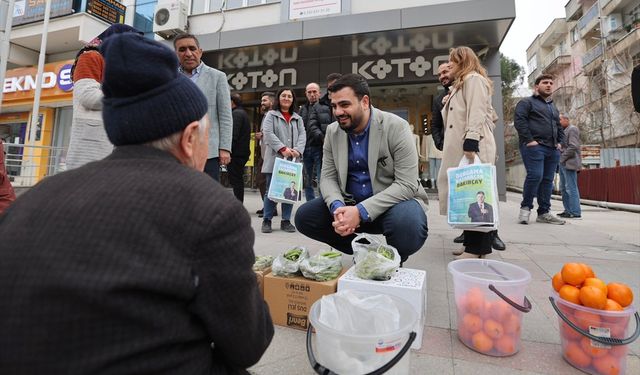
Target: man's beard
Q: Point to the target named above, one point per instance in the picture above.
(349, 127)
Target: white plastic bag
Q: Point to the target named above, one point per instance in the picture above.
(375, 260)
(350, 313)
(286, 265)
(323, 266)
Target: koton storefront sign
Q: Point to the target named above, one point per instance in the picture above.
(20, 84)
(397, 57)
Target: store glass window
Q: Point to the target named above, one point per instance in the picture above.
(143, 18)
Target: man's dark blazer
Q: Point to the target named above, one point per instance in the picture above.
(477, 216)
(291, 194)
(135, 264)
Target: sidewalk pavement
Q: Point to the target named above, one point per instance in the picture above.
(607, 240)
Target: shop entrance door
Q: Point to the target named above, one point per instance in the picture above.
(13, 134)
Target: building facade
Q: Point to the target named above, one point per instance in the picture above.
(264, 45)
(592, 52)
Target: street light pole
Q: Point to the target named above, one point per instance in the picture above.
(605, 77)
(5, 47)
(35, 113)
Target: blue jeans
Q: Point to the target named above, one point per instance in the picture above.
(312, 160)
(540, 162)
(434, 168)
(270, 206)
(404, 226)
(570, 193)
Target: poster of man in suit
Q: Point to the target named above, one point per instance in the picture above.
(479, 211)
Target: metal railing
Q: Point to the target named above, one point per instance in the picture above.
(28, 164)
(592, 54)
(585, 20)
(557, 52)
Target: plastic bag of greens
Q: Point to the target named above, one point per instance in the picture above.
(287, 264)
(262, 262)
(374, 259)
(323, 266)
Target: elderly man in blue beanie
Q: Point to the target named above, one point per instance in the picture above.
(126, 265)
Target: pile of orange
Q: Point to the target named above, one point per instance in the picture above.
(488, 326)
(578, 284)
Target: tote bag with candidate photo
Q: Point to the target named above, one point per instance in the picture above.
(286, 181)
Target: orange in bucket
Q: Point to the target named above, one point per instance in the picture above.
(620, 293)
(607, 365)
(593, 281)
(574, 354)
(593, 297)
(570, 293)
(573, 273)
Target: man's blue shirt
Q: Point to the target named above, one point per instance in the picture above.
(195, 73)
(358, 177)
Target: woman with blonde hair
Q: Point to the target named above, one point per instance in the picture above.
(468, 118)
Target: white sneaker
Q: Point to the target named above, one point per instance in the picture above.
(523, 217)
(548, 218)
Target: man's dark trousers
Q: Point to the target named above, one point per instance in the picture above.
(403, 225)
(312, 166)
(235, 169)
(212, 168)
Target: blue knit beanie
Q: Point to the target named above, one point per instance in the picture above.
(145, 97)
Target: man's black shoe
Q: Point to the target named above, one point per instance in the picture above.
(564, 214)
(260, 213)
(266, 226)
(497, 243)
(459, 239)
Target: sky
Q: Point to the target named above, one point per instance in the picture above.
(532, 18)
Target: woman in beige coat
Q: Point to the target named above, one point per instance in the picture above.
(468, 125)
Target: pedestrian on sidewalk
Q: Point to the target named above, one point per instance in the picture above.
(284, 137)
(267, 100)
(312, 157)
(369, 180)
(570, 165)
(239, 146)
(7, 195)
(213, 84)
(436, 143)
(540, 136)
(89, 141)
(126, 265)
(468, 119)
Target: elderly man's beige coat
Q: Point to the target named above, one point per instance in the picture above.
(467, 114)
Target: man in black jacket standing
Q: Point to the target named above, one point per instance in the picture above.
(239, 146)
(437, 132)
(540, 136)
(139, 263)
(312, 157)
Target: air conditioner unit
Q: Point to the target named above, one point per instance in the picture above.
(611, 23)
(170, 18)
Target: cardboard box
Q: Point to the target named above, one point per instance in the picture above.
(260, 277)
(290, 298)
(408, 284)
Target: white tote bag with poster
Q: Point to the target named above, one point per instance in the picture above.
(473, 196)
(286, 181)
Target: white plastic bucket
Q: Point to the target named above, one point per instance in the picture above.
(362, 353)
(595, 341)
(490, 301)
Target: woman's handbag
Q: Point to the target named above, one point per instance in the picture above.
(286, 181)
